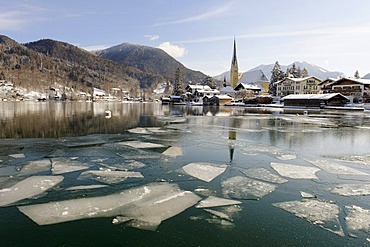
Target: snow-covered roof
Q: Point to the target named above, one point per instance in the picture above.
(199, 87)
(312, 96)
(99, 92)
(224, 96)
(253, 76)
(297, 79)
(361, 81)
(250, 86)
(227, 89)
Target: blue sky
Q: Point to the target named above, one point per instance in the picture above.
(329, 33)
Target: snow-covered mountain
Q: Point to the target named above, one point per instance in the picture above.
(313, 70)
(367, 76)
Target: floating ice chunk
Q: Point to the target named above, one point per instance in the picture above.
(139, 144)
(323, 214)
(204, 171)
(35, 166)
(335, 168)
(218, 214)
(173, 152)
(138, 130)
(362, 159)
(64, 165)
(204, 191)
(121, 219)
(287, 157)
(294, 171)
(127, 165)
(351, 189)
(264, 174)
(87, 187)
(110, 177)
(213, 201)
(246, 188)
(357, 218)
(84, 143)
(27, 188)
(172, 119)
(306, 195)
(17, 156)
(147, 205)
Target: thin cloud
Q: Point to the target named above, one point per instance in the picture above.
(209, 14)
(350, 30)
(151, 37)
(11, 20)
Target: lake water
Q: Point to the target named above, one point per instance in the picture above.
(261, 158)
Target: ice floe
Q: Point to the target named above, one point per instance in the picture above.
(295, 171)
(246, 188)
(87, 187)
(125, 166)
(307, 195)
(277, 152)
(147, 131)
(36, 166)
(147, 206)
(357, 218)
(65, 165)
(204, 171)
(110, 177)
(219, 214)
(323, 214)
(351, 189)
(335, 168)
(139, 144)
(27, 188)
(362, 159)
(17, 156)
(263, 174)
(173, 152)
(213, 201)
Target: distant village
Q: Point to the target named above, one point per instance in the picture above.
(293, 88)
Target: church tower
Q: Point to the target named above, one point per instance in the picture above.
(234, 71)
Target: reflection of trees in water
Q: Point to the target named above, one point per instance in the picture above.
(53, 120)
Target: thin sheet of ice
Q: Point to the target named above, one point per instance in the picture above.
(277, 152)
(294, 171)
(213, 201)
(335, 168)
(219, 214)
(246, 188)
(204, 171)
(173, 152)
(147, 205)
(66, 165)
(28, 188)
(139, 144)
(125, 166)
(147, 131)
(87, 187)
(35, 166)
(357, 218)
(17, 156)
(264, 174)
(323, 214)
(362, 159)
(351, 189)
(110, 177)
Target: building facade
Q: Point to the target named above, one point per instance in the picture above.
(306, 85)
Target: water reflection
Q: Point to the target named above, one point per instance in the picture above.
(61, 119)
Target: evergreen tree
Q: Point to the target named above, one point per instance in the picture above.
(178, 88)
(276, 75)
(357, 75)
(209, 82)
(304, 73)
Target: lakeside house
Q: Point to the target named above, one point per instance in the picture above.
(357, 90)
(315, 100)
(306, 85)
